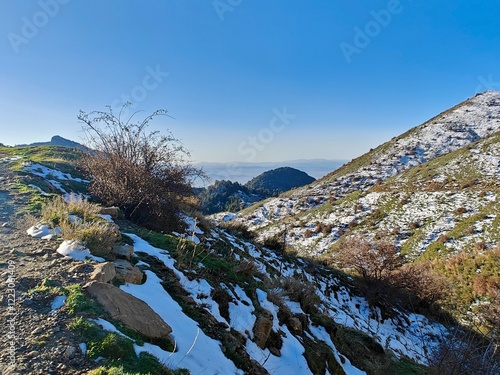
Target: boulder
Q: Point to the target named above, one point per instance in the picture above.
(127, 273)
(295, 324)
(125, 251)
(103, 272)
(262, 328)
(129, 310)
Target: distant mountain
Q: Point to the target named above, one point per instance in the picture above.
(226, 196)
(231, 196)
(243, 172)
(58, 141)
(279, 180)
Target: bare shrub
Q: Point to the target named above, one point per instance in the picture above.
(373, 260)
(143, 173)
(465, 353)
(419, 280)
(238, 229)
(299, 290)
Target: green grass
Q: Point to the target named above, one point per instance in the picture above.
(47, 286)
(78, 303)
(118, 351)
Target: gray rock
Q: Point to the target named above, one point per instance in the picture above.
(125, 251)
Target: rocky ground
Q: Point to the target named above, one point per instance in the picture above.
(33, 340)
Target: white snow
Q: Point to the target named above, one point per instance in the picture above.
(43, 171)
(77, 251)
(196, 351)
(321, 334)
(43, 231)
(57, 303)
(83, 347)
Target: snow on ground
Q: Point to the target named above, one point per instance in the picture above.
(43, 171)
(321, 334)
(43, 231)
(196, 351)
(52, 176)
(10, 159)
(291, 361)
(77, 251)
(466, 123)
(241, 313)
(57, 303)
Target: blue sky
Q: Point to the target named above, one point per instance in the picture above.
(245, 80)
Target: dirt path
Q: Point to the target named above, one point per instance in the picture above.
(33, 340)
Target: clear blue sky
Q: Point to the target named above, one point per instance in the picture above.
(224, 69)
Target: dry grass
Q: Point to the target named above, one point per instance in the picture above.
(78, 220)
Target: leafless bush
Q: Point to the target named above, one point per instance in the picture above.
(143, 173)
(465, 353)
(420, 281)
(299, 290)
(373, 260)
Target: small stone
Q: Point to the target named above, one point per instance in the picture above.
(275, 352)
(127, 273)
(37, 330)
(295, 324)
(33, 353)
(103, 272)
(61, 366)
(69, 352)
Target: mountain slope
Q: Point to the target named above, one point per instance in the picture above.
(234, 307)
(279, 180)
(230, 196)
(58, 141)
(458, 127)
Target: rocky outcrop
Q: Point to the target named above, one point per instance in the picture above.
(262, 328)
(103, 272)
(127, 273)
(131, 311)
(125, 251)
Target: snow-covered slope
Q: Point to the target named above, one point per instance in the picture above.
(322, 212)
(199, 352)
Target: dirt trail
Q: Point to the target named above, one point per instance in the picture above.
(33, 340)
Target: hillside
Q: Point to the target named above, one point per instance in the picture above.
(431, 192)
(279, 180)
(230, 306)
(450, 131)
(57, 141)
(232, 196)
(226, 196)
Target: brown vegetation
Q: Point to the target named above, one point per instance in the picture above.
(143, 173)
